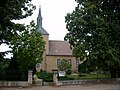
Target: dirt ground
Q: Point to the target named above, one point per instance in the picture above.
(70, 87)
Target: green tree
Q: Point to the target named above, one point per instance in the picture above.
(82, 53)
(94, 24)
(13, 10)
(28, 47)
(65, 65)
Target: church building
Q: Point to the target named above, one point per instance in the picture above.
(55, 50)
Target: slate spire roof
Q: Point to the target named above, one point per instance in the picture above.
(39, 23)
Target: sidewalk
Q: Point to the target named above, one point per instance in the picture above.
(70, 87)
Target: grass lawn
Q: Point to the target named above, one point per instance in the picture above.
(88, 76)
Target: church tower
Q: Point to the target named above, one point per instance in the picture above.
(45, 36)
(39, 24)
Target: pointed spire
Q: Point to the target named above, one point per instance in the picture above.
(39, 19)
(39, 23)
(39, 15)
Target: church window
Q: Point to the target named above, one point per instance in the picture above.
(70, 61)
(77, 63)
(58, 61)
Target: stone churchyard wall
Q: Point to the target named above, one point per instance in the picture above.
(91, 81)
(18, 83)
(14, 83)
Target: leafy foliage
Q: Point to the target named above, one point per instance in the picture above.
(28, 47)
(65, 78)
(65, 66)
(13, 10)
(94, 27)
(47, 77)
(82, 68)
(12, 72)
(79, 52)
(3, 62)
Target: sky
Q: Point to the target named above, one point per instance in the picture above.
(53, 14)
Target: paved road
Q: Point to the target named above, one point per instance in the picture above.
(72, 87)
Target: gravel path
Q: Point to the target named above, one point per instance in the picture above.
(71, 87)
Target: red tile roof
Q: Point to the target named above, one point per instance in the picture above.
(59, 48)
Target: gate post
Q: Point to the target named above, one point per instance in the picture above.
(30, 77)
(55, 77)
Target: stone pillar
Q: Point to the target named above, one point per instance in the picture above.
(55, 77)
(30, 77)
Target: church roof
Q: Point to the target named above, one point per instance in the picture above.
(43, 31)
(59, 48)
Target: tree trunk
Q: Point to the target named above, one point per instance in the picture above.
(113, 72)
(118, 72)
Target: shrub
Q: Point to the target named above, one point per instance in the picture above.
(82, 68)
(47, 77)
(68, 72)
(64, 65)
(65, 78)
